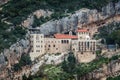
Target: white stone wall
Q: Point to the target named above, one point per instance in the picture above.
(82, 45)
(85, 46)
(53, 45)
(83, 36)
(85, 57)
(38, 45)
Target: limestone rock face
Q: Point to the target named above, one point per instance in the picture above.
(2, 59)
(38, 13)
(109, 10)
(16, 50)
(117, 7)
(81, 17)
(3, 1)
(28, 22)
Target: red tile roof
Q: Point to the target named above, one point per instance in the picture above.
(82, 30)
(65, 36)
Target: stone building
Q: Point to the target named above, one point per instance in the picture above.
(81, 44)
(84, 47)
(37, 43)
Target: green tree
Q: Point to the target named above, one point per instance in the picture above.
(25, 60)
(24, 77)
(17, 67)
(69, 65)
(115, 35)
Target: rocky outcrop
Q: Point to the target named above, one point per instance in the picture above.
(80, 18)
(38, 13)
(14, 53)
(3, 1)
(107, 70)
(2, 59)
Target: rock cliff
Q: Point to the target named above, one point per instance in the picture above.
(3, 1)
(79, 18)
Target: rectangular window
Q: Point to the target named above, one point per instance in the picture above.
(37, 50)
(37, 45)
(62, 41)
(41, 41)
(48, 45)
(67, 41)
(37, 37)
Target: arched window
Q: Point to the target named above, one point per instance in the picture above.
(62, 41)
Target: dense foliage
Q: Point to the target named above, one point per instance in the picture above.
(16, 11)
(25, 60)
(110, 33)
(114, 78)
(70, 69)
(9, 35)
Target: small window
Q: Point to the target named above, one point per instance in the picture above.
(37, 46)
(37, 41)
(37, 50)
(62, 41)
(81, 52)
(37, 37)
(53, 45)
(67, 41)
(73, 49)
(48, 45)
(80, 37)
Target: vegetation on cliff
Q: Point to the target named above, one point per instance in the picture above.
(9, 35)
(70, 69)
(114, 78)
(110, 33)
(16, 11)
(24, 60)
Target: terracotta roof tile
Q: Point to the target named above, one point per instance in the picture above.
(82, 30)
(65, 36)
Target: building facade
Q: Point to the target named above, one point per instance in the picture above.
(37, 41)
(60, 43)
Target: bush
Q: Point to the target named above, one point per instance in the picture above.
(25, 60)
